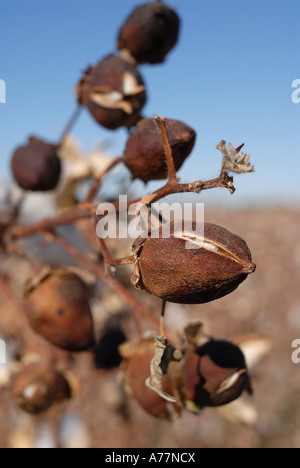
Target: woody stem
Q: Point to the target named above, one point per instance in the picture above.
(109, 259)
(70, 124)
(161, 124)
(162, 318)
(96, 185)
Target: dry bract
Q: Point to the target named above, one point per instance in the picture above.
(167, 269)
(113, 91)
(137, 360)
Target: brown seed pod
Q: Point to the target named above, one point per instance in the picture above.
(213, 374)
(36, 166)
(137, 371)
(167, 268)
(59, 310)
(114, 92)
(38, 386)
(149, 33)
(144, 153)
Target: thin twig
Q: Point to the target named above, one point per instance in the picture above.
(67, 217)
(161, 124)
(96, 185)
(70, 124)
(86, 210)
(109, 259)
(162, 318)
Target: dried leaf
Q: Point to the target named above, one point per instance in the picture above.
(164, 354)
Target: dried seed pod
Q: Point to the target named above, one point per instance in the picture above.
(167, 268)
(149, 33)
(213, 374)
(59, 310)
(38, 386)
(144, 153)
(137, 371)
(114, 92)
(36, 166)
(107, 351)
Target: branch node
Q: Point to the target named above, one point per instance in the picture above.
(197, 186)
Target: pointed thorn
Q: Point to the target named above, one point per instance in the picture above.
(240, 147)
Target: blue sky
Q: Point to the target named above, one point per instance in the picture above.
(229, 77)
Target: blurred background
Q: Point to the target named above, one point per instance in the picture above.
(230, 77)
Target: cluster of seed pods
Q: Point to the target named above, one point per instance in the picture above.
(210, 373)
(114, 93)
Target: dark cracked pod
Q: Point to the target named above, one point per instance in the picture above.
(215, 266)
(213, 374)
(113, 91)
(36, 166)
(149, 33)
(144, 153)
(59, 310)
